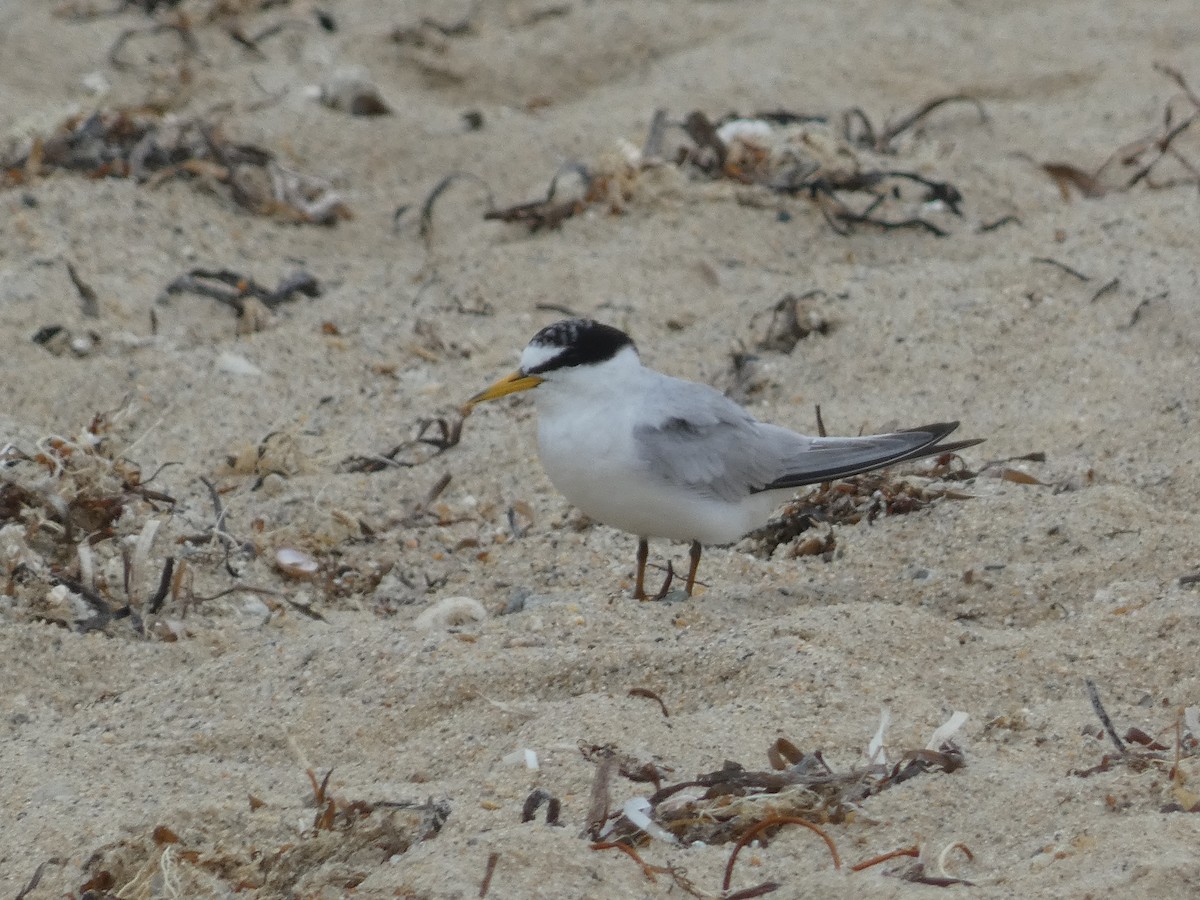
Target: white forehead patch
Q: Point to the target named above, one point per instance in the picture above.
(536, 354)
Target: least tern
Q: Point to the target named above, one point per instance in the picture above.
(661, 457)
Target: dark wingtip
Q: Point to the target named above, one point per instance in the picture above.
(940, 430)
(955, 447)
(927, 448)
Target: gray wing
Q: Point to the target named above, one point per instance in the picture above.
(696, 436)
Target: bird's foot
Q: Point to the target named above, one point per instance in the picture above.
(640, 594)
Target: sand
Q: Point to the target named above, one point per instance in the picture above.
(200, 720)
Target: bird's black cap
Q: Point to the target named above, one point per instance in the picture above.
(582, 342)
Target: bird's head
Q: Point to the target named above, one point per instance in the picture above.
(557, 353)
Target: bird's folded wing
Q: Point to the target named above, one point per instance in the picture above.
(825, 459)
(707, 442)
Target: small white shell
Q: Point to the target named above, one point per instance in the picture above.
(95, 83)
(236, 364)
(449, 612)
(295, 563)
(749, 131)
(946, 730)
(526, 756)
(637, 811)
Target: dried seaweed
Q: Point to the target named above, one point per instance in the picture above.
(140, 143)
(998, 223)
(1102, 714)
(36, 878)
(426, 219)
(1111, 285)
(759, 828)
(488, 872)
(783, 153)
(1141, 752)
(89, 303)
(89, 490)
(252, 302)
(919, 871)
(629, 766)
(199, 854)
(802, 156)
(535, 801)
(859, 130)
(858, 499)
(737, 805)
(720, 806)
(185, 23)
(419, 34)
(433, 437)
(648, 870)
(216, 532)
(1136, 162)
(81, 523)
(1074, 273)
(549, 212)
(180, 26)
(650, 695)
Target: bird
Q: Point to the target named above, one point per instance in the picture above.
(662, 457)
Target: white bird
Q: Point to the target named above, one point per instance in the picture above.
(661, 457)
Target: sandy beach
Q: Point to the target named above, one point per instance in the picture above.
(276, 621)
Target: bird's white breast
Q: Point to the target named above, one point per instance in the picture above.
(586, 441)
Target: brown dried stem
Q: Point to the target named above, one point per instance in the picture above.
(774, 822)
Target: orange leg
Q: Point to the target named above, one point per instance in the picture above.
(643, 552)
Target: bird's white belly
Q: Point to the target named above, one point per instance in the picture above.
(599, 471)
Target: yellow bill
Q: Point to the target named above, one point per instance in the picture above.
(509, 384)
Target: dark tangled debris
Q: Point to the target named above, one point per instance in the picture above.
(873, 495)
(142, 144)
(433, 437)
(242, 293)
(200, 858)
(854, 500)
(737, 805)
(74, 500)
(859, 130)
(847, 174)
(802, 157)
(185, 24)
